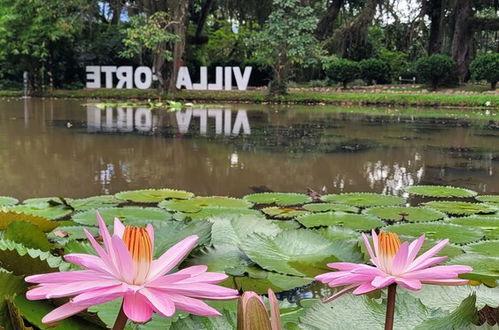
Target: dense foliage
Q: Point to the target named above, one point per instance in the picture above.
(435, 70)
(342, 70)
(486, 67)
(283, 40)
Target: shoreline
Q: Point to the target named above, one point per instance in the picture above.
(301, 96)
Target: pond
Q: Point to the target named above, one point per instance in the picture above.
(68, 148)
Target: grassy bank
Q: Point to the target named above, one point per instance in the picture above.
(353, 97)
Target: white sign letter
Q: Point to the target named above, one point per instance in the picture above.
(108, 70)
(219, 84)
(125, 76)
(93, 76)
(203, 79)
(242, 81)
(184, 78)
(137, 77)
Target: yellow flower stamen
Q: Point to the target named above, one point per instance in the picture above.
(389, 244)
(139, 244)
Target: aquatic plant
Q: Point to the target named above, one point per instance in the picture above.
(412, 214)
(125, 214)
(438, 230)
(152, 195)
(494, 199)
(125, 268)
(283, 212)
(484, 248)
(326, 207)
(461, 208)
(488, 224)
(6, 200)
(363, 199)
(348, 220)
(281, 199)
(440, 191)
(252, 313)
(196, 204)
(393, 264)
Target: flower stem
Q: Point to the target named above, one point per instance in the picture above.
(121, 320)
(390, 306)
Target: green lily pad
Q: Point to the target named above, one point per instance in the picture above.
(38, 200)
(461, 208)
(494, 199)
(440, 191)
(484, 248)
(348, 220)
(42, 209)
(412, 214)
(363, 199)
(152, 195)
(484, 268)
(73, 232)
(330, 207)
(282, 199)
(196, 204)
(94, 202)
(488, 224)
(6, 200)
(283, 212)
(298, 252)
(28, 234)
(8, 217)
(438, 231)
(208, 212)
(125, 214)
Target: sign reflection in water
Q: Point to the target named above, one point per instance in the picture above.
(144, 120)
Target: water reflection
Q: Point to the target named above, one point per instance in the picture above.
(60, 147)
(144, 120)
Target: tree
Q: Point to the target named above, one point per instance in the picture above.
(486, 67)
(374, 70)
(342, 70)
(286, 38)
(435, 69)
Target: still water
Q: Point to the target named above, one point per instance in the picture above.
(68, 148)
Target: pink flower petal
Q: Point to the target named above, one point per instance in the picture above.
(159, 301)
(64, 277)
(119, 228)
(201, 290)
(409, 283)
(172, 257)
(381, 282)
(102, 254)
(88, 261)
(106, 237)
(351, 279)
(426, 263)
(193, 270)
(63, 312)
(414, 248)
(368, 246)
(439, 272)
(167, 280)
(340, 293)
(428, 254)
(150, 231)
(375, 242)
(100, 296)
(137, 307)
(193, 306)
(123, 262)
(57, 290)
(364, 288)
(400, 260)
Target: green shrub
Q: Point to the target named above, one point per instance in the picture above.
(486, 67)
(434, 70)
(374, 70)
(342, 70)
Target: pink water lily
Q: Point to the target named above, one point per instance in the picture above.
(393, 263)
(252, 312)
(125, 268)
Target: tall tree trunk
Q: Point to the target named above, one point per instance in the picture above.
(433, 8)
(326, 23)
(205, 11)
(179, 10)
(462, 40)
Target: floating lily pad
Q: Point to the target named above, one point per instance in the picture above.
(282, 199)
(349, 220)
(283, 212)
(330, 207)
(494, 199)
(298, 252)
(125, 214)
(484, 248)
(440, 191)
(338, 233)
(196, 204)
(73, 232)
(152, 195)
(363, 199)
(461, 208)
(484, 268)
(8, 217)
(6, 200)
(412, 214)
(208, 212)
(489, 225)
(43, 209)
(94, 202)
(38, 200)
(438, 231)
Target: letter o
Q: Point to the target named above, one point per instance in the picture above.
(137, 77)
(143, 119)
